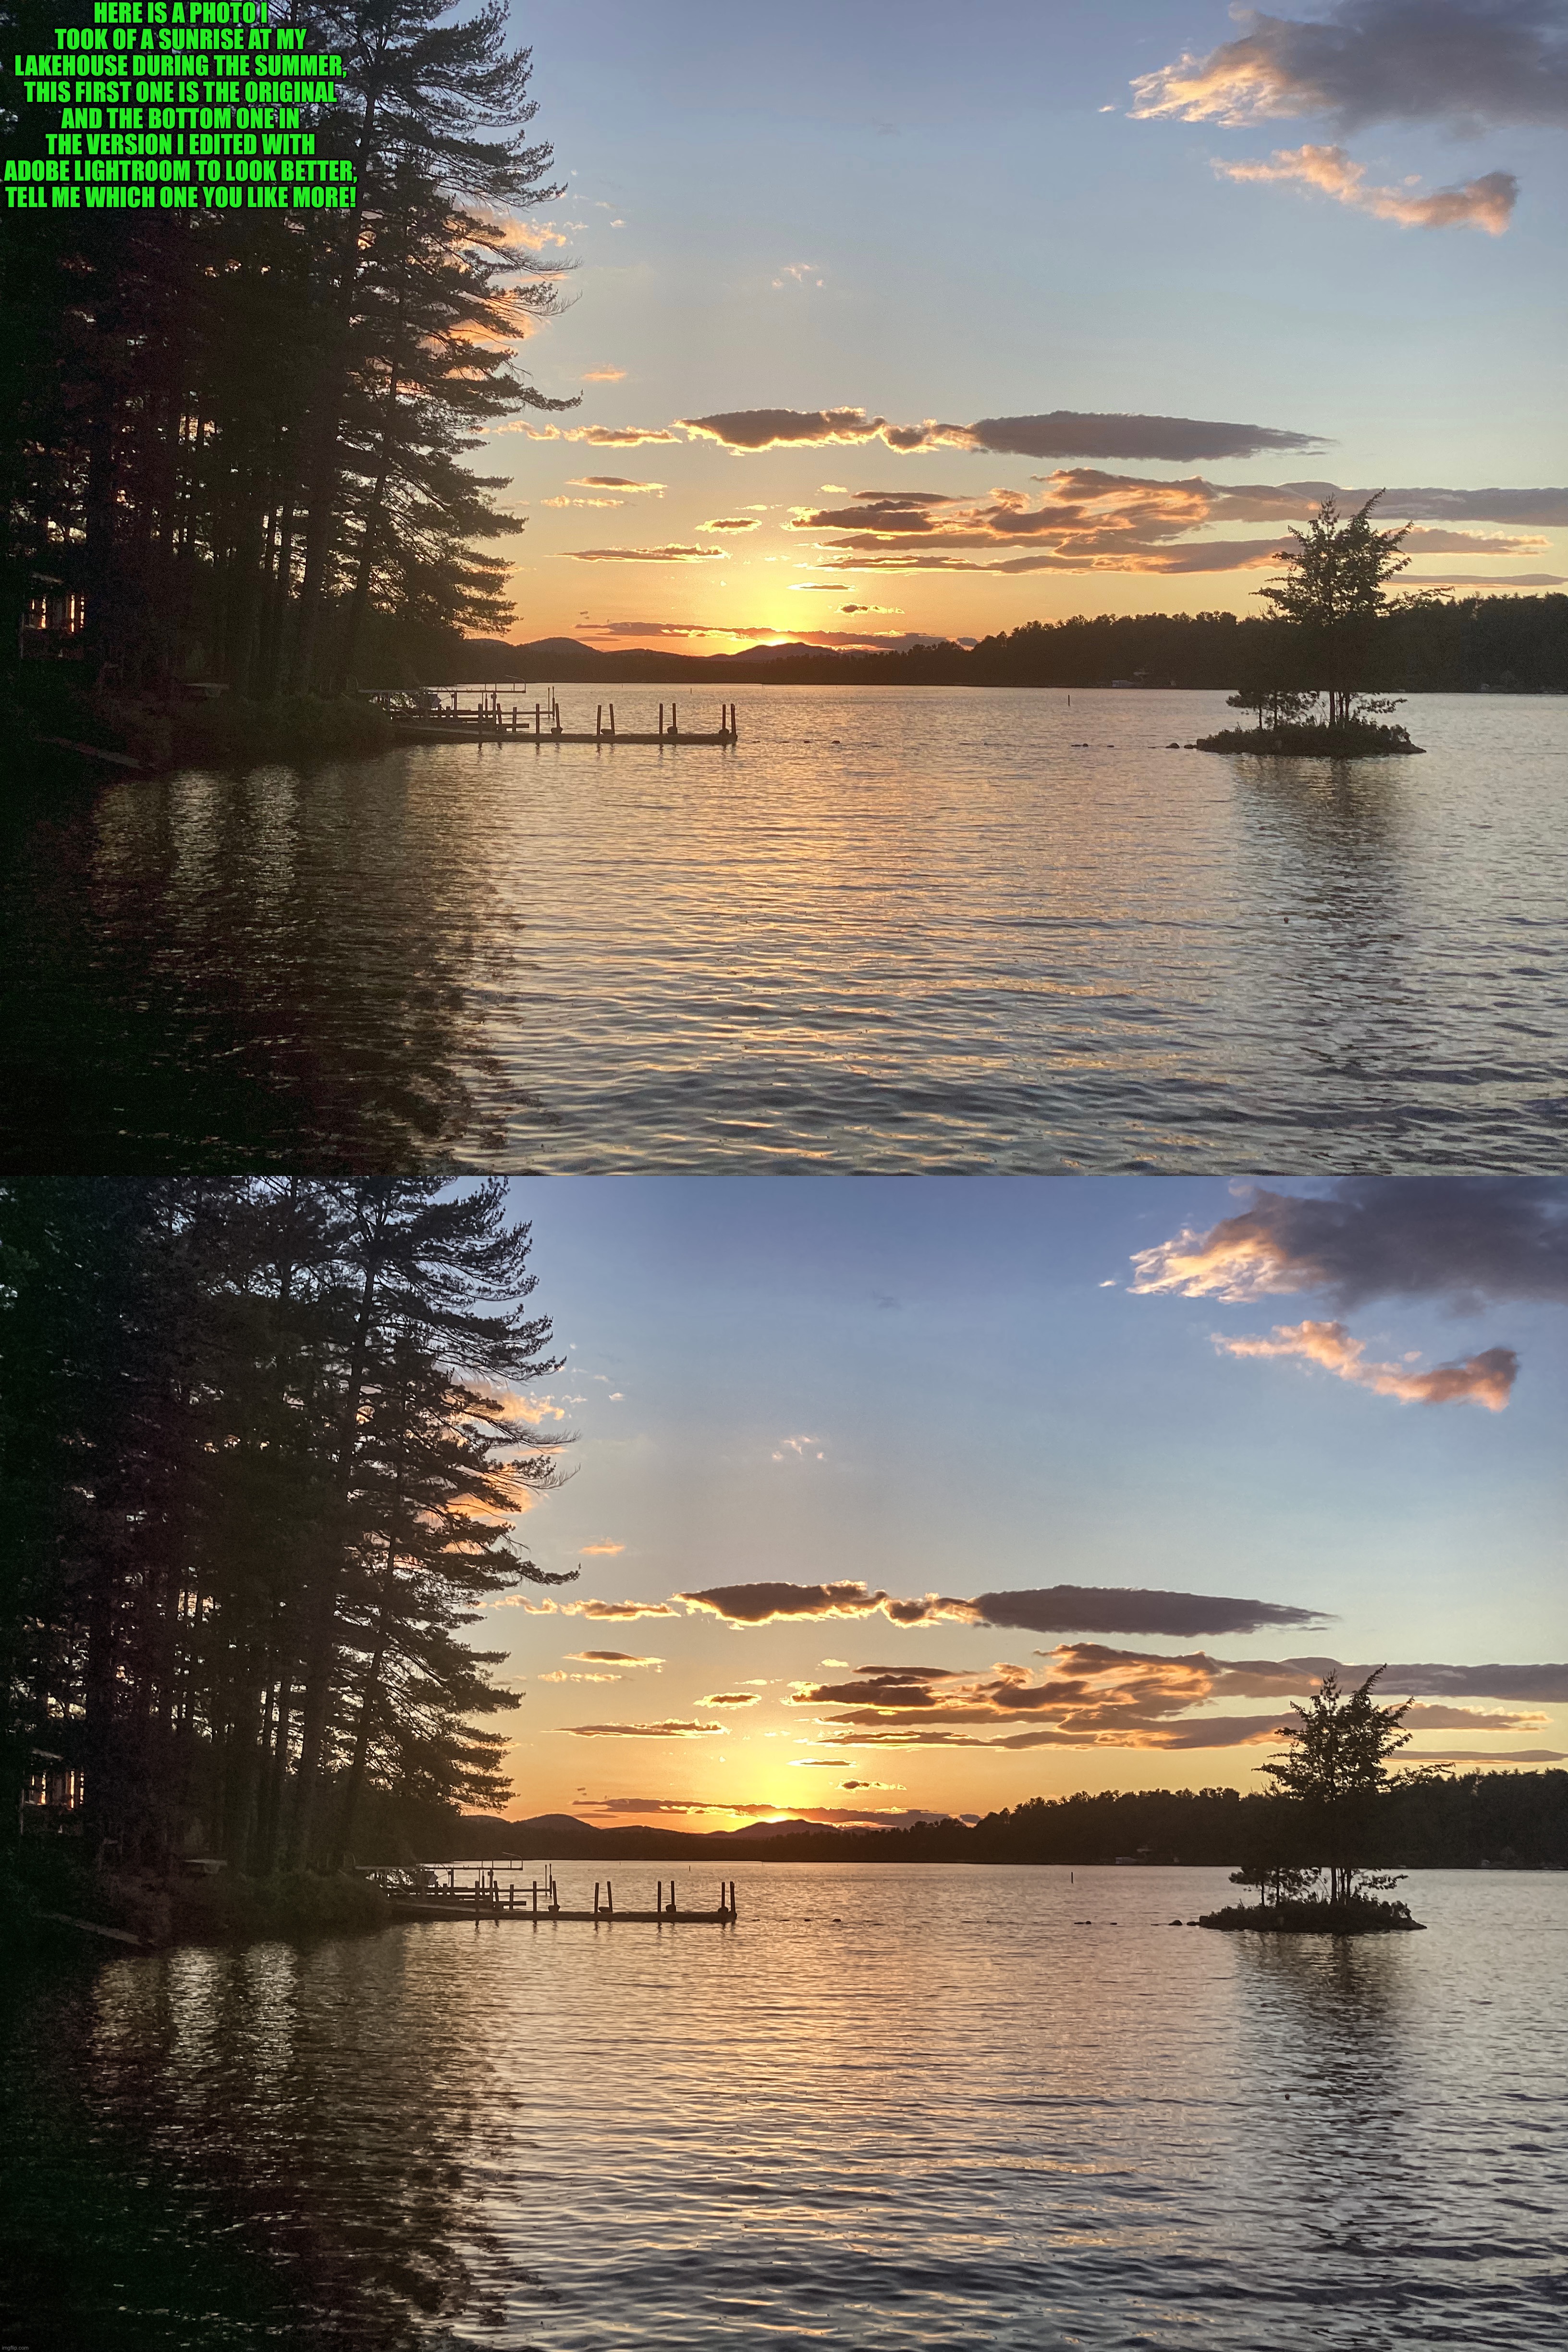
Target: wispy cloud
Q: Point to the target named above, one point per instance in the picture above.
(731, 523)
(1486, 204)
(646, 554)
(593, 1609)
(730, 1698)
(1485, 1380)
(613, 1658)
(667, 1730)
(615, 482)
(603, 375)
(599, 1550)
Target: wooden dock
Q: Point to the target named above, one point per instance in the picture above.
(494, 721)
(540, 1906)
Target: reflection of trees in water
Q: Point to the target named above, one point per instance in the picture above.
(230, 971)
(1328, 2033)
(308, 2128)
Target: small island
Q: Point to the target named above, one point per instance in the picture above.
(1320, 647)
(1308, 1846)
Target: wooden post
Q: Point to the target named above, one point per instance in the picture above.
(675, 729)
(661, 722)
(595, 1902)
(536, 1898)
(611, 722)
(610, 1898)
(598, 720)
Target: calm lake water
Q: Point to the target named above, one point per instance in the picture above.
(890, 2108)
(891, 931)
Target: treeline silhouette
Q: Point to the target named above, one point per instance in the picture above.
(1431, 1819)
(260, 1448)
(231, 441)
(1439, 645)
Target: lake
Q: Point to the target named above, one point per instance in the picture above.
(892, 2107)
(891, 931)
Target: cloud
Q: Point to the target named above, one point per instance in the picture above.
(761, 1604)
(667, 1730)
(729, 1698)
(731, 523)
(1486, 1379)
(617, 436)
(603, 375)
(591, 1551)
(798, 273)
(646, 554)
(1058, 433)
(1486, 204)
(598, 436)
(615, 482)
(1462, 62)
(581, 502)
(1098, 1609)
(802, 1448)
(1292, 501)
(1464, 1239)
(611, 1658)
(1086, 520)
(616, 1609)
(1090, 1696)
(562, 1677)
(1486, 1755)
(1422, 1718)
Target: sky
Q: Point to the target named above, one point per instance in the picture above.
(887, 322)
(893, 1497)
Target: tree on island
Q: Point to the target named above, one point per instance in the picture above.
(1322, 641)
(1321, 1819)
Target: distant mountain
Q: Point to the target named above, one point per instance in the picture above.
(544, 1824)
(756, 1829)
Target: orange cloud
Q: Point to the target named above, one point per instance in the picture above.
(1485, 203)
(729, 1698)
(611, 1658)
(1485, 1380)
(596, 1609)
(647, 554)
(667, 1730)
(603, 375)
(591, 1551)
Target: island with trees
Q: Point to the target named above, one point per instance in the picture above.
(1307, 1845)
(1319, 646)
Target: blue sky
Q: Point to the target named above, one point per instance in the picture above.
(887, 207)
(949, 1387)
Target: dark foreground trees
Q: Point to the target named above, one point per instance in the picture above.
(263, 1444)
(234, 444)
